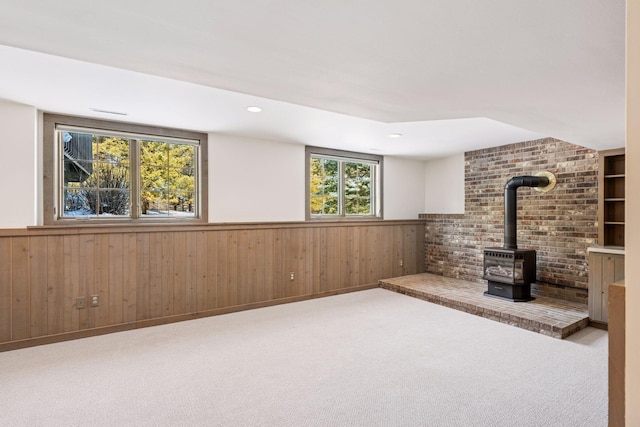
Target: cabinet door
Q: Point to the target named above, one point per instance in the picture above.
(604, 269)
(613, 272)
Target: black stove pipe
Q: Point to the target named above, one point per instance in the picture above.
(510, 205)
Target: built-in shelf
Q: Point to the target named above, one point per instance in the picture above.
(611, 196)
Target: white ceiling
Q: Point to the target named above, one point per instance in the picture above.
(451, 76)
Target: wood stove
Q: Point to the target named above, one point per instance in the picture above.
(509, 270)
(510, 273)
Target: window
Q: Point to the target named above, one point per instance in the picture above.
(343, 184)
(98, 170)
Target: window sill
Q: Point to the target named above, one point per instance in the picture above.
(72, 223)
(343, 218)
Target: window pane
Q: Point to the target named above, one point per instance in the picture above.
(76, 170)
(358, 188)
(342, 187)
(182, 204)
(357, 206)
(78, 155)
(113, 202)
(122, 172)
(155, 204)
(316, 205)
(168, 179)
(76, 203)
(321, 205)
(181, 154)
(77, 146)
(100, 185)
(154, 153)
(324, 186)
(111, 149)
(153, 192)
(113, 189)
(107, 175)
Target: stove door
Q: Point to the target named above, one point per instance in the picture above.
(504, 270)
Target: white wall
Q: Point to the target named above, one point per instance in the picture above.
(632, 227)
(444, 188)
(403, 188)
(254, 180)
(18, 151)
(250, 180)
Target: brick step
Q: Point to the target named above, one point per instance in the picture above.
(548, 316)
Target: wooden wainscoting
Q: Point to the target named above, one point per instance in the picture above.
(147, 275)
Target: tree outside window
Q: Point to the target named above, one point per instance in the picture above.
(116, 172)
(115, 176)
(342, 186)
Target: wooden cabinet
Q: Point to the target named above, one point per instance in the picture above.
(611, 196)
(606, 266)
(606, 263)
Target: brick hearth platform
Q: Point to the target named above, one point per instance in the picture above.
(547, 316)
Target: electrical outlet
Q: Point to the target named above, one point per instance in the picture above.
(292, 276)
(80, 303)
(401, 263)
(94, 300)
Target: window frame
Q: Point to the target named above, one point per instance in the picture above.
(345, 157)
(52, 174)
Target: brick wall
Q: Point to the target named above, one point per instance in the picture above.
(559, 225)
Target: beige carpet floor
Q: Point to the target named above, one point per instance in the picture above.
(370, 358)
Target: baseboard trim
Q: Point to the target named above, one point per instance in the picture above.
(145, 323)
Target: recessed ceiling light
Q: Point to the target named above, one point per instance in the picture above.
(394, 135)
(254, 109)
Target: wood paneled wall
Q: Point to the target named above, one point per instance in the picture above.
(152, 275)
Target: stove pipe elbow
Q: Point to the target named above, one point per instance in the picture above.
(510, 203)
